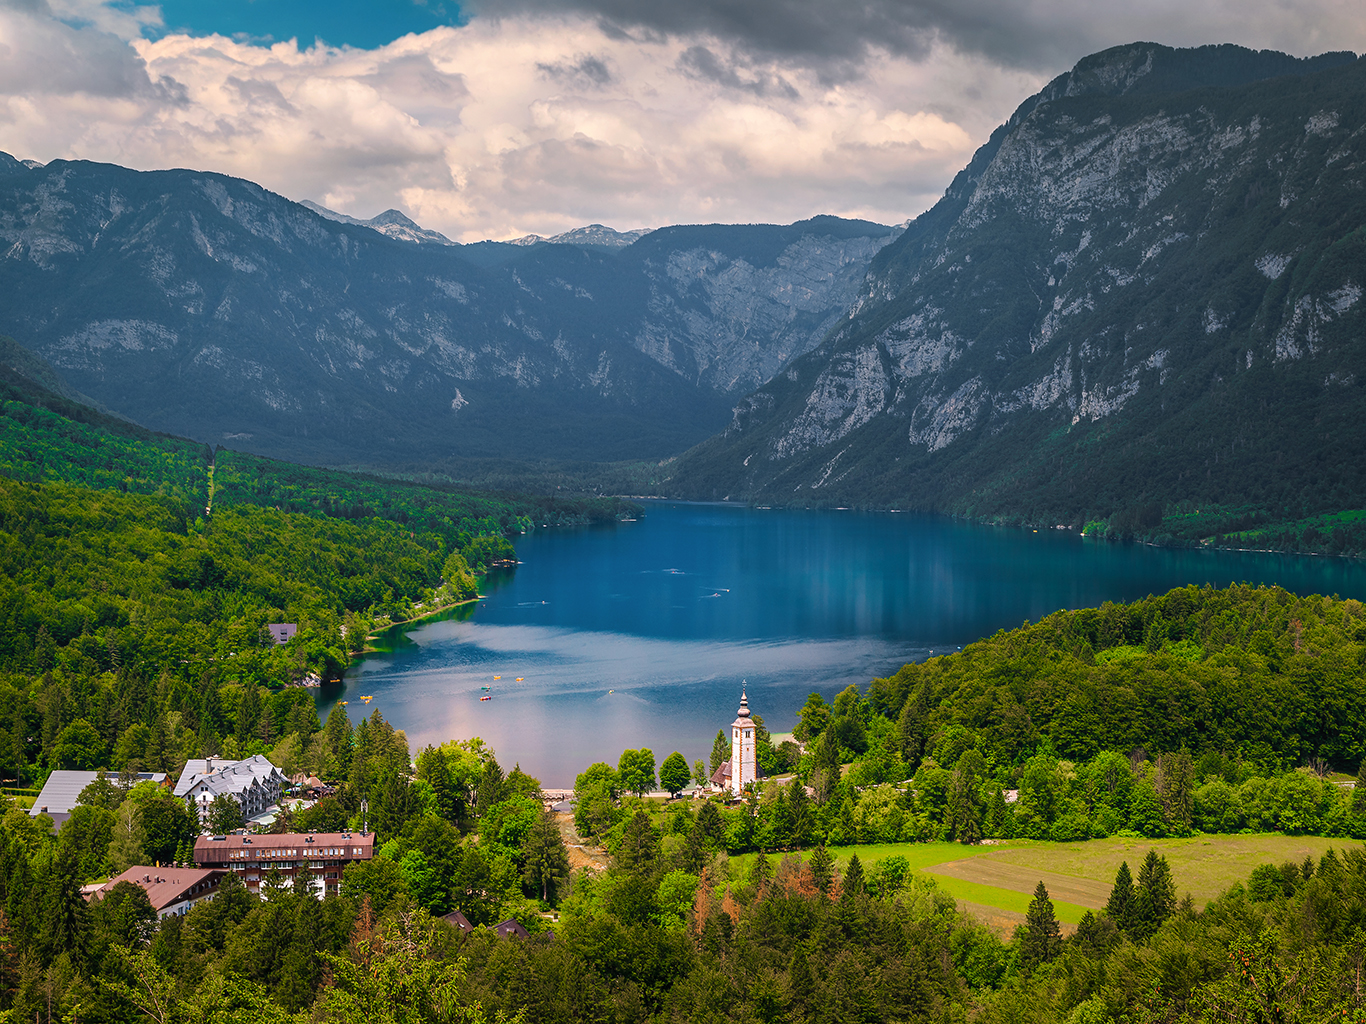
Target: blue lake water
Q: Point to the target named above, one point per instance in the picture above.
(642, 634)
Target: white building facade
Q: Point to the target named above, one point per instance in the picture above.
(254, 783)
(743, 762)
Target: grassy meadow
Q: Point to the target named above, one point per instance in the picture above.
(996, 880)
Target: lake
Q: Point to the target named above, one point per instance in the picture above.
(643, 634)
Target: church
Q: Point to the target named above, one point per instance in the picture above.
(743, 767)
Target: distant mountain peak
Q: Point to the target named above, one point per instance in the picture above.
(13, 165)
(390, 222)
(597, 235)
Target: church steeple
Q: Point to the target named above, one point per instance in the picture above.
(743, 752)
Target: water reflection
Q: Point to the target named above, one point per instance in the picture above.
(673, 611)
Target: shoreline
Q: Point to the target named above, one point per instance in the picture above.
(367, 649)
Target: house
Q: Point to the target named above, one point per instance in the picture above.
(253, 857)
(62, 790)
(283, 632)
(171, 891)
(459, 922)
(511, 929)
(254, 783)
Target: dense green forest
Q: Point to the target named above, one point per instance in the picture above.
(674, 929)
(131, 639)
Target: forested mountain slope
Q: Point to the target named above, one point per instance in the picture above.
(209, 307)
(1142, 297)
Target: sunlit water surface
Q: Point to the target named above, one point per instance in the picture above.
(643, 633)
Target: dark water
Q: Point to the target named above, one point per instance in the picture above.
(641, 634)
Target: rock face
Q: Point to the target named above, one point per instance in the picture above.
(1146, 287)
(209, 307)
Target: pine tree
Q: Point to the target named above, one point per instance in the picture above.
(1120, 907)
(1154, 896)
(1042, 939)
(720, 751)
(853, 878)
(908, 727)
(761, 870)
(1096, 935)
(545, 856)
(802, 813)
(639, 844)
(822, 868)
(802, 984)
(963, 817)
(997, 811)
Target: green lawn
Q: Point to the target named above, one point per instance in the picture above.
(1004, 875)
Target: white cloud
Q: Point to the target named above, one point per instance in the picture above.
(511, 125)
(508, 126)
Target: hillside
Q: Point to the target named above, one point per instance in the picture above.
(1139, 303)
(208, 307)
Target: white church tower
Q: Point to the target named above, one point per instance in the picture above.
(743, 765)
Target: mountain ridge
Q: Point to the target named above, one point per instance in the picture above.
(996, 363)
(210, 307)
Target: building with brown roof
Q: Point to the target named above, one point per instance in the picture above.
(511, 929)
(253, 857)
(171, 891)
(459, 922)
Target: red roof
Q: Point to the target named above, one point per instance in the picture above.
(166, 886)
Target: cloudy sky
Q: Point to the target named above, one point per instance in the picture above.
(495, 118)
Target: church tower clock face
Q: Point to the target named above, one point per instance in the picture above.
(743, 760)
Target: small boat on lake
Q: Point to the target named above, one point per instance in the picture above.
(487, 696)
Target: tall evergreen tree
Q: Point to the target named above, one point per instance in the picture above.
(995, 825)
(1120, 906)
(761, 870)
(66, 916)
(720, 750)
(639, 844)
(909, 726)
(802, 814)
(1154, 896)
(822, 868)
(545, 859)
(801, 982)
(433, 767)
(963, 817)
(1042, 939)
(854, 883)
(490, 786)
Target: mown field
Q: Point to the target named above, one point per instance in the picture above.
(995, 881)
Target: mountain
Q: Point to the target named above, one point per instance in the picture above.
(390, 222)
(207, 306)
(1141, 297)
(594, 235)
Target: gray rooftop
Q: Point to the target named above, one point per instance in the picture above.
(63, 788)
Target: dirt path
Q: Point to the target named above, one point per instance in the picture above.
(581, 854)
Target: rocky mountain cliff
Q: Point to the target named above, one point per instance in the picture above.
(1145, 290)
(209, 307)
